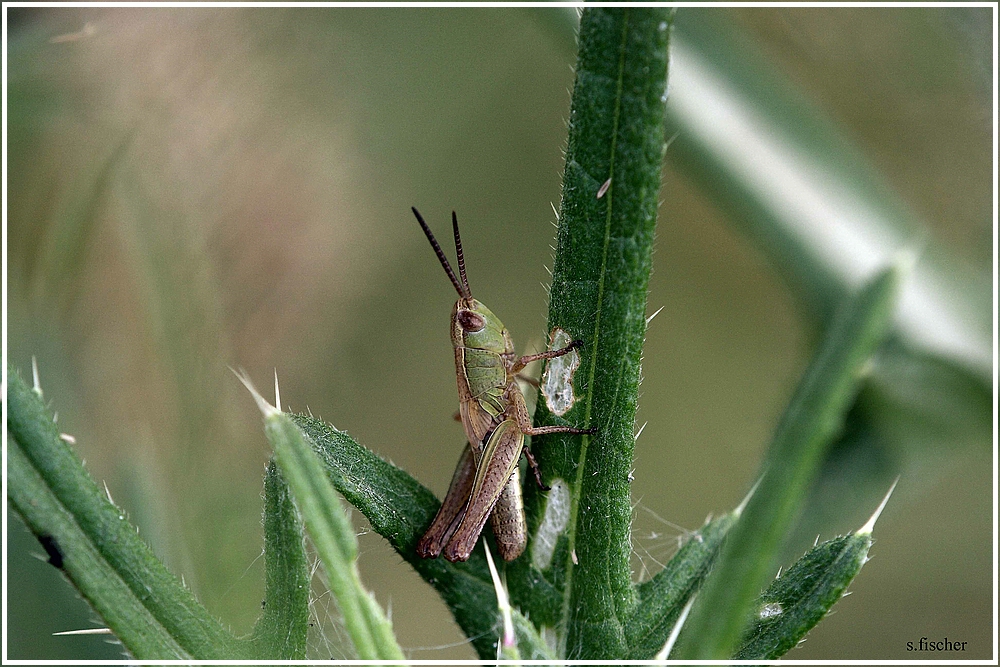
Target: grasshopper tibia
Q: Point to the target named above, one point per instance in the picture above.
(534, 468)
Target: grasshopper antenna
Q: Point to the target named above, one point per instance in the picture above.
(461, 257)
(463, 290)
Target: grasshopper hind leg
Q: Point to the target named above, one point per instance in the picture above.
(452, 510)
(507, 520)
(499, 463)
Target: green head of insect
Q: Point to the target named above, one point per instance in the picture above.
(472, 323)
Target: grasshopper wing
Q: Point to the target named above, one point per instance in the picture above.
(496, 466)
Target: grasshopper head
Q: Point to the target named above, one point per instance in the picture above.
(474, 325)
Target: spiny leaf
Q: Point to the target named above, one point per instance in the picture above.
(144, 605)
(530, 644)
(332, 534)
(399, 509)
(662, 598)
(798, 599)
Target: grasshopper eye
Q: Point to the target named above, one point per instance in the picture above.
(471, 321)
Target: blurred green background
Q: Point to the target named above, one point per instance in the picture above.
(192, 189)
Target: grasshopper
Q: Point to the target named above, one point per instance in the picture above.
(486, 483)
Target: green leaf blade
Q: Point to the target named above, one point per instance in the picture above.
(144, 605)
(72, 552)
(662, 598)
(808, 426)
(530, 644)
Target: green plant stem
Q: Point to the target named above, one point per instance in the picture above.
(789, 225)
(809, 424)
(284, 623)
(603, 258)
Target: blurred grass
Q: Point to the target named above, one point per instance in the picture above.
(191, 189)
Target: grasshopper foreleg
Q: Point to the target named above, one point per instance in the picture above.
(528, 358)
